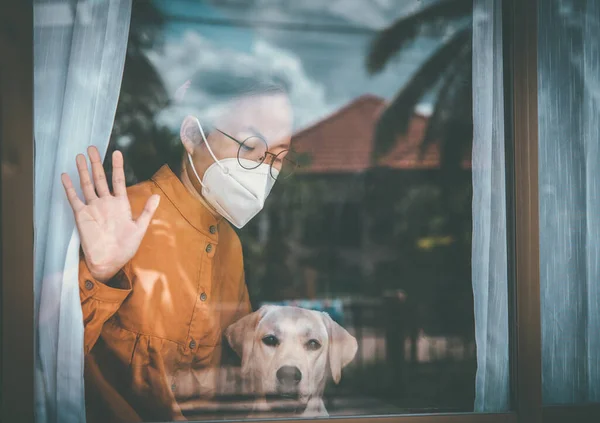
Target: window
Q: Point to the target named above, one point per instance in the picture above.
(436, 213)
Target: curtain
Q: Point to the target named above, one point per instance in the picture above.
(569, 186)
(79, 54)
(489, 246)
(569, 190)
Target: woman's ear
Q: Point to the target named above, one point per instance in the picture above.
(190, 133)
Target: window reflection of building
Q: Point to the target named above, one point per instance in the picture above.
(347, 212)
(365, 232)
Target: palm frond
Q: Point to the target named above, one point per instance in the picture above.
(142, 96)
(458, 74)
(394, 120)
(392, 39)
(458, 130)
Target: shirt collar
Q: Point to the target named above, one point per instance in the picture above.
(191, 208)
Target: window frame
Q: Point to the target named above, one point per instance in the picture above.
(521, 114)
(16, 211)
(521, 132)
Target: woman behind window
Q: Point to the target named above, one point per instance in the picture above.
(161, 269)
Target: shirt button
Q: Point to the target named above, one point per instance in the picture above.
(213, 229)
(203, 296)
(89, 285)
(173, 387)
(209, 248)
(192, 344)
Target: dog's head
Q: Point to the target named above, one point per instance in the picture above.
(287, 351)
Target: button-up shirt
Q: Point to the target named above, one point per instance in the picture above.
(154, 332)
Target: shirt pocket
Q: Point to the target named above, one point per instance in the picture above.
(120, 341)
(149, 376)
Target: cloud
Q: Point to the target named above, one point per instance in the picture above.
(212, 69)
(373, 14)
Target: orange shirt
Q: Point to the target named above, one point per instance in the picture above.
(152, 332)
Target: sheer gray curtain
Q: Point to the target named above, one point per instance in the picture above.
(79, 53)
(569, 178)
(489, 256)
(569, 184)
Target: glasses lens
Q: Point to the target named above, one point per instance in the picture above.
(252, 152)
(285, 162)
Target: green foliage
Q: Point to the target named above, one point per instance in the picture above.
(144, 144)
(448, 70)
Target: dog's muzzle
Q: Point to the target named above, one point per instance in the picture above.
(287, 396)
(288, 377)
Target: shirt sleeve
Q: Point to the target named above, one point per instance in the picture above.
(100, 301)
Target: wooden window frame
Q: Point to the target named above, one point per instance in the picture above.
(16, 231)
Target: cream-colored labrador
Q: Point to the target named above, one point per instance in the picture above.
(287, 355)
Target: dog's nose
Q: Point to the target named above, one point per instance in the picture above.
(289, 375)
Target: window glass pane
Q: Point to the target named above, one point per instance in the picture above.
(569, 153)
(294, 208)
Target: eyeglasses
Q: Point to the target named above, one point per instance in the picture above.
(253, 152)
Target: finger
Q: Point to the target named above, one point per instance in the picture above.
(144, 220)
(98, 172)
(76, 203)
(118, 175)
(84, 179)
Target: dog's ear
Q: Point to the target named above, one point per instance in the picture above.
(240, 335)
(237, 332)
(342, 347)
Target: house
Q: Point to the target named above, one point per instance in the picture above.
(342, 143)
(338, 209)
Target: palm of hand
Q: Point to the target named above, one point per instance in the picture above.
(109, 235)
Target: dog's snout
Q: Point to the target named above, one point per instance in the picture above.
(289, 375)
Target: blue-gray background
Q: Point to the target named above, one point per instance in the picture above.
(324, 70)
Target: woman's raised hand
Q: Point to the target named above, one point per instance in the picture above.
(109, 235)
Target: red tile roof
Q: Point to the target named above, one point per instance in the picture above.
(343, 141)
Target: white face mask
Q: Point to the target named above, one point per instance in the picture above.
(236, 193)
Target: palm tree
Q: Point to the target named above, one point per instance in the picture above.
(448, 68)
(448, 72)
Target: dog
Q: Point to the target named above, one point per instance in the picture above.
(287, 354)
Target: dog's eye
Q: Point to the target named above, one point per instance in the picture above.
(270, 340)
(313, 345)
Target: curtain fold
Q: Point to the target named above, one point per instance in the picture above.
(569, 193)
(569, 185)
(79, 54)
(489, 246)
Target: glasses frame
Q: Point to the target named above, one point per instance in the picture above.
(273, 156)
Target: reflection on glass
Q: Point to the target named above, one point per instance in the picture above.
(371, 235)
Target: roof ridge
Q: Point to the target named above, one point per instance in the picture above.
(365, 98)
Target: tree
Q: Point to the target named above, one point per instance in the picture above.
(447, 72)
(449, 68)
(142, 96)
